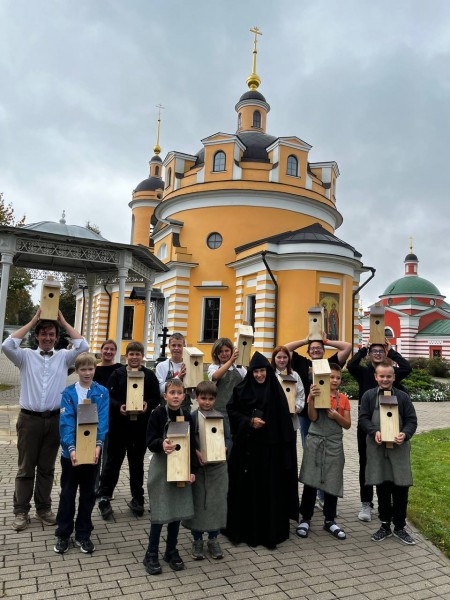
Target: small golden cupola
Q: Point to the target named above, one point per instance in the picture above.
(147, 195)
(252, 107)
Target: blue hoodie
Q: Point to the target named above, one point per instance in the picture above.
(98, 395)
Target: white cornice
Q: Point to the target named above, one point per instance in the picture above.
(298, 262)
(137, 203)
(260, 199)
(321, 165)
(252, 102)
(162, 233)
(285, 141)
(173, 154)
(227, 139)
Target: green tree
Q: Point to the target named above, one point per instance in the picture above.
(19, 306)
(67, 302)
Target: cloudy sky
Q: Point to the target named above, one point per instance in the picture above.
(365, 82)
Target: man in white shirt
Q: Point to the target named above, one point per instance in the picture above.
(43, 375)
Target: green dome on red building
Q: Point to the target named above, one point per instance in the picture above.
(411, 285)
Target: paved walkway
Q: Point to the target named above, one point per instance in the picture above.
(319, 568)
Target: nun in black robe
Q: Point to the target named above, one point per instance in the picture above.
(262, 467)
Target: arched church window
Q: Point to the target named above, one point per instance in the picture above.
(219, 161)
(156, 171)
(239, 121)
(169, 178)
(292, 166)
(256, 119)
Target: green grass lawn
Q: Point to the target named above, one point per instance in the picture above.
(429, 498)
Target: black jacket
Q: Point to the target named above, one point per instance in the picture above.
(117, 386)
(365, 375)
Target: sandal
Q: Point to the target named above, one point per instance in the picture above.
(302, 529)
(335, 531)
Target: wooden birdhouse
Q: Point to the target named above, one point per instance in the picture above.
(135, 391)
(193, 359)
(244, 345)
(316, 323)
(179, 461)
(212, 438)
(87, 421)
(49, 303)
(288, 383)
(321, 377)
(389, 418)
(377, 335)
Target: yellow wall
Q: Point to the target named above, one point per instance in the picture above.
(141, 230)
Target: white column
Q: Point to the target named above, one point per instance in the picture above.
(6, 261)
(123, 274)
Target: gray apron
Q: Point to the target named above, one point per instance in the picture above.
(387, 464)
(323, 457)
(167, 501)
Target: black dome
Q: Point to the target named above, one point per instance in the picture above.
(411, 257)
(156, 158)
(150, 185)
(256, 144)
(252, 95)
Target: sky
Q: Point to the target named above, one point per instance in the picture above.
(365, 82)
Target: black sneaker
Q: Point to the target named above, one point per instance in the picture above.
(151, 564)
(86, 546)
(105, 508)
(174, 560)
(381, 534)
(136, 506)
(404, 537)
(62, 545)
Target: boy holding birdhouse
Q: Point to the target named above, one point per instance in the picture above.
(134, 393)
(81, 442)
(170, 502)
(212, 440)
(388, 460)
(323, 457)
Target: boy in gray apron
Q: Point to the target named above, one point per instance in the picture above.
(389, 468)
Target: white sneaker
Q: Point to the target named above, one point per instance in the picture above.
(365, 514)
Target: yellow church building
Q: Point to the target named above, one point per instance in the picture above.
(246, 228)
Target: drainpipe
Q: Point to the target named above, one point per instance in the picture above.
(353, 302)
(109, 310)
(275, 325)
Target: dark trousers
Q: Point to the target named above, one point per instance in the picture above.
(365, 491)
(198, 535)
(392, 503)
(129, 441)
(72, 479)
(37, 446)
(309, 500)
(155, 533)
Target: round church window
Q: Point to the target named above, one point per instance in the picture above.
(214, 240)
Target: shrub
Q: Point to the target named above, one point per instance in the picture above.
(349, 386)
(438, 367)
(419, 362)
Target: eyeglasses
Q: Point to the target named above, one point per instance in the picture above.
(379, 352)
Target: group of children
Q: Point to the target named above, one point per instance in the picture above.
(202, 506)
